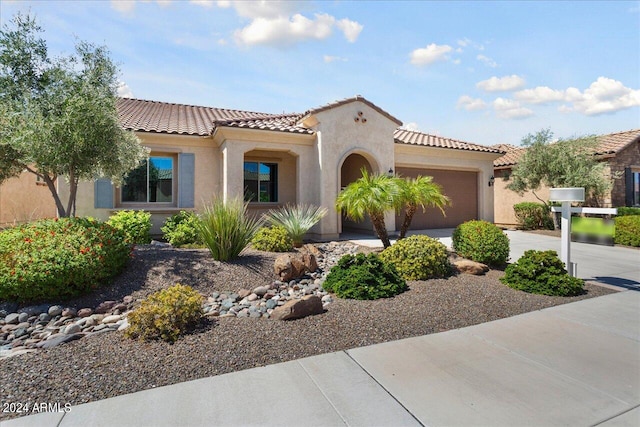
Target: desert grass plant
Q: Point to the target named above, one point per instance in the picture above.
(296, 219)
(226, 229)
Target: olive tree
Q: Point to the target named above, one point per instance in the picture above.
(58, 116)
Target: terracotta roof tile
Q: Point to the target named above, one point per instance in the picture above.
(607, 144)
(404, 136)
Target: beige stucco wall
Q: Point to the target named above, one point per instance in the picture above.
(441, 158)
(505, 199)
(23, 200)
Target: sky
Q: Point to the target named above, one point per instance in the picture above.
(482, 72)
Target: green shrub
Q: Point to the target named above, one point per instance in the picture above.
(58, 259)
(533, 216)
(272, 239)
(166, 314)
(226, 229)
(627, 230)
(297, 220)
(182, 229)
(481, 241)
(418, 258)
(135, 224)
(364, 277)
(541, 272)
(627, 211)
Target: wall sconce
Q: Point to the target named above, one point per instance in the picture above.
(390, 172)
(492, 179)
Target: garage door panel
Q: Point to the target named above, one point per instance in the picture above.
(460, 186)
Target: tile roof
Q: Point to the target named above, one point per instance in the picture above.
(404, 136)
(608, 144)
(349, 100)
(163, 117)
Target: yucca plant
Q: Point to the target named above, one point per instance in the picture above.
(296, 219)
(226, 229)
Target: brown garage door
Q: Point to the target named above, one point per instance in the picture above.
(461, 187)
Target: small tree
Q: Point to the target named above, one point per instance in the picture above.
(58, 117)
(419, 191)
(565, 163)
(370, 195)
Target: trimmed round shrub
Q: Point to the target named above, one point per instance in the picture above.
(56, 259)
(481, 241)
(624, 211)
(418, 258)
(533, 216)
(542, 272)
(627, 230)
(272, 239)
(364, 277)
(166, 314)
(135, 224)
(181, 229)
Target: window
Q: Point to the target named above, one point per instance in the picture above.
(260, 182)
(636, 188)
(151, 182)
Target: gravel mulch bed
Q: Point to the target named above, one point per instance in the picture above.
(106, 365)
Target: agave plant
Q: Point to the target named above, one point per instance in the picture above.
(296, 219)
(226, 229)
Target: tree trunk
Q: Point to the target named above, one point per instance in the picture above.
(54, 192)
(381, 230)
(408, 217)
(73, 189)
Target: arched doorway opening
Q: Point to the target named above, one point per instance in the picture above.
(350, 171)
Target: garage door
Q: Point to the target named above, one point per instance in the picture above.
(460, 186)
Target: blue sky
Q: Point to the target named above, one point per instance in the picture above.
(482, 72)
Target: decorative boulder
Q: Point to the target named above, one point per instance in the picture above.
(297, 309)
(470, 267)
(294, 266)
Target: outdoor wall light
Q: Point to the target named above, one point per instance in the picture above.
(390, 171)
(492, 179)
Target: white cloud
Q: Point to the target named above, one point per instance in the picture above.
(123, 6)
(260, 9)
(351, 29)
(487, 61)
(510, 109)
(501, 84)
(540, 95)
(330, 58)
(605, 95)
(470, 104)
(124, 90)
(464, 42)
(430, 54)
(412, 126)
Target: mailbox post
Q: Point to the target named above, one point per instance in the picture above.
(566, 196)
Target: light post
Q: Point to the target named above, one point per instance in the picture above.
(566, 196)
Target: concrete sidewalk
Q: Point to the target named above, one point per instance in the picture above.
(575, 364)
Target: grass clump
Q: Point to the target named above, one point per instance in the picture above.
(418, 258)
(166, 314)
(364, 277)
(542, 272)
(627, 230)
(135, 224)
(481, 241)
(296, 220)
(61, 258)
(226, 229)
(272, 239)
(181, 229)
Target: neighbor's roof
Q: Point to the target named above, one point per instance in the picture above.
(163, 117)
(348, 101)
(608, 145)
(404, 136)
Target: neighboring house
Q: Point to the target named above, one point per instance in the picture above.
(621, 152)
(25, 198)
(197, 153)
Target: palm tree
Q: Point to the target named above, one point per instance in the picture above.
(419, 191)
(370, 195)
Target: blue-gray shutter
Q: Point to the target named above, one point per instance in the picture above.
(186, 180)
(628, 187)
(103, 194)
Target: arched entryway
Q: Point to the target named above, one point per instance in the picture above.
(349, 172)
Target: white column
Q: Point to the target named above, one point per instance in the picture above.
(565, 240)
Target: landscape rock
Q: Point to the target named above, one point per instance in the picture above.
(297, 309)
(12, 318)
(105, 307)
(85, 312)
(55, 310)
(470, 267)
(293, 266)
(61, 339)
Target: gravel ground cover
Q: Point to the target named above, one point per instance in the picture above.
(106, 365)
